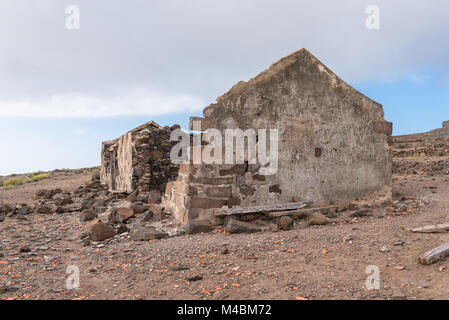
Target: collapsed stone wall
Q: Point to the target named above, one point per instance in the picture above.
(333, 146)
(139, 160)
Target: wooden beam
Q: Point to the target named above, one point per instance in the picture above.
(444, 227)
(301, 212)
(435, 254)
(258, 209)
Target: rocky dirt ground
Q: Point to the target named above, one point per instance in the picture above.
(41, 235)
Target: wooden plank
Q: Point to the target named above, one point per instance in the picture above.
(435, 254)
(258, 209)
(443, 227)
(301, 212)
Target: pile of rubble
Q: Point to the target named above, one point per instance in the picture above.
(139, 216)
(424, 157)
(429, 148)
(426, 168)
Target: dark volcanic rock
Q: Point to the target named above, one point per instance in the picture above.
(198, 227)
(100, 231)
(233, 225)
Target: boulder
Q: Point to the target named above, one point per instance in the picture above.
(42, 209)
(138, 208)
(122, 228)
(4, 208)
(361, 213)
(285, 223)
(145, 234)
(194, 227)
(158, 212)
(317, 219)
(232, 225)
(125, 213)
(121, 215)
(100, 231)
(87, 215)
(63, 200)
(22, 210)
(146, 216)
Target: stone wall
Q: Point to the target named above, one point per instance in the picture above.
(446, 124)
(139, 160)
(333, 143)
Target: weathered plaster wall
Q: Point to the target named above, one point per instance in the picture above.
(333, 141)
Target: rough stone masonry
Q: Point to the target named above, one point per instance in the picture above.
(334, 144)
(139, 161)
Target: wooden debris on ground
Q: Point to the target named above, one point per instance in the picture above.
(444, 227)
(301, 212)
(259, 209)
(435, 254)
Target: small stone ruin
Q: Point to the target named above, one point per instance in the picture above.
(139, 161)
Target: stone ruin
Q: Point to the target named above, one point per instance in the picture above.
(334, 147)
(446, 124)
(139, 161)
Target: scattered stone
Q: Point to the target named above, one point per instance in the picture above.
(25, 249)
(100, 231)
(122, 229)
(179, 268)
(138, 209)
(158, 212)
(124, 214)
(399, 243)
(400, 268)
(285, 223)
(23, 210)
(145, 234)
(42, 209)
(146, 216)
(317, 219)
(195, 278)
(274, 227)
(120, 215)
(4, 208)
(198, 227)
(384, 250)
(86, 242)
(87, 215)
(361, 213)
(233, 225)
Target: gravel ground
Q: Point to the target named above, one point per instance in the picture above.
(312, 262)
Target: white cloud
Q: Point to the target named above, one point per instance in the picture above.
(189, 51)
(135, 102)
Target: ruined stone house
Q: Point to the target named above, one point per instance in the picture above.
(333, 144)
(139, 160)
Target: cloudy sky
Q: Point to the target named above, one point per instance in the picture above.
(63, 91)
